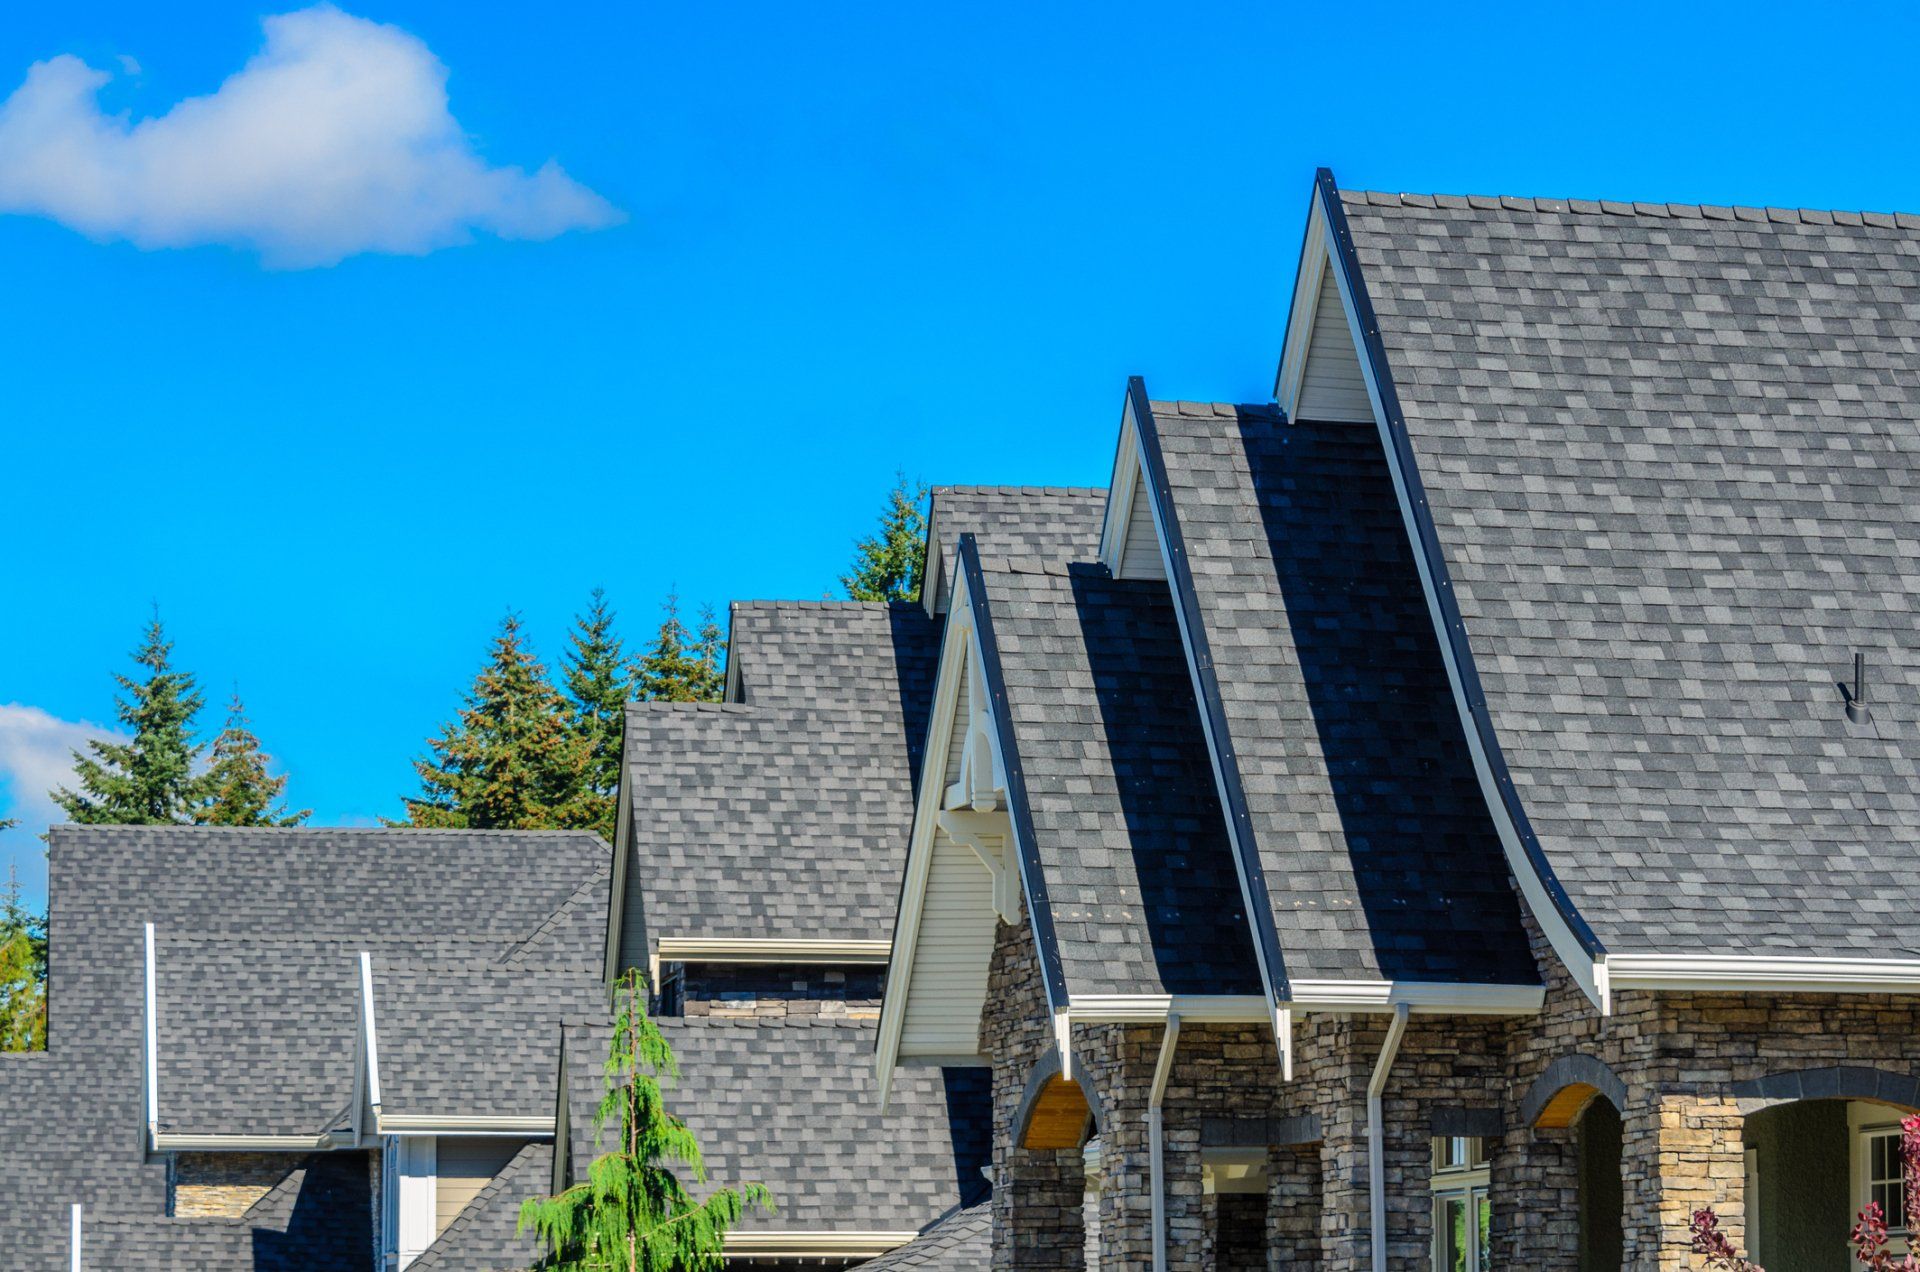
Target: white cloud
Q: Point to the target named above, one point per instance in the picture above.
(36, 755)
(334, 139)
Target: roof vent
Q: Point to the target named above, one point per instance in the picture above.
(1857, 695)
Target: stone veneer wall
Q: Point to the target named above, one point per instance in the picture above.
(1677, 1054)
(223, 1185)
(771, 991)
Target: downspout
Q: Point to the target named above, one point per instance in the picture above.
(1376, 1164)
(1155, 1143)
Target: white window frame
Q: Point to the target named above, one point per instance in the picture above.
(409, 1169)
(1469, 1180)
(1866, 1123)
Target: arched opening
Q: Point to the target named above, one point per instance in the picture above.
(1601, 1200)
(1813, 1164)
(1574, 1113)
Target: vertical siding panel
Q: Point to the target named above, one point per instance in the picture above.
(1333, 387)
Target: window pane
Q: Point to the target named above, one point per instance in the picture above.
(1453, 1235)
(1485, 1246)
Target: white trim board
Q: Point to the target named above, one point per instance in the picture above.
(327, 1142)
(805, 1245)
(1756, 974)
(1421, 998)
(740, 949)
(445, 1125)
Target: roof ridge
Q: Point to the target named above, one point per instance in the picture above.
(823, 604)
(1613, 207)
(1019, 490)
(516, 952)
(1181, 406)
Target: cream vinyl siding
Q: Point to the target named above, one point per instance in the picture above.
(467, 1164)
(1140, 550)
(1332, 387)
(955, 941)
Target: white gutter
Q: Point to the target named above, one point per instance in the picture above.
(1155, 1141)
(477, 1124)
(373, 1043)
(1376, 1165)
(153, 1079)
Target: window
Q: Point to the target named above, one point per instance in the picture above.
(1885, 1177)
(1878, 1175)
(1462, 1208)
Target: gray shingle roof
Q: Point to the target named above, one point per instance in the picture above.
(481, 1238)
(959, 1242)
(806, 653)
(210, 892)
(766, 821)
(1127, 825)
(1030, 526)
(255, 1036)
(790, 1103)
(1378, 852)
(1671, 462)
(473, 1041)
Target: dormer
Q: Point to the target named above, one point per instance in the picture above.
(1322, 376)
(1131, 540)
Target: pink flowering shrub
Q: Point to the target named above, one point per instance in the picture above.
(1869, 1236)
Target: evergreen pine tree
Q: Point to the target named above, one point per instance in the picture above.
(633, 1213)
(148, 780)
(23, 971)
(599, 684)
(682, 667)
(512, 760)
(240, 790)
(888, 566)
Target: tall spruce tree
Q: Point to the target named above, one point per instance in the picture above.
(149, 779)
(599, 684)
(512, 760)
(240, 789)
(682, 666)
(633, 1212)
(888, 566)
(23, 970)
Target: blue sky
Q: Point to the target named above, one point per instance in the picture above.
(792, 249)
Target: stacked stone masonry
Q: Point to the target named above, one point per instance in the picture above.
(1678, 1056)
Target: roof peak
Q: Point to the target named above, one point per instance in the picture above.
(1617, 208)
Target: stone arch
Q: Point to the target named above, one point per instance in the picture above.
(1568, 1085)
(1834, 1082)
(1056, 1111)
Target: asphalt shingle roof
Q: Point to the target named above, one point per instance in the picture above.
(811, 653)
(768, 822)
(290, 903)
(1672, 464)
(1015, 526)
(790, 1103)
(1380, 858)
(959, 1242)
(1127, 822)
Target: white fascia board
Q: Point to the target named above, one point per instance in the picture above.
(806, 1245)
(954, 643)
(617, 897)
(1573, 955)
(1122, 489)
(1421, 998)
(1750, 974)
(253, 1143)
(728, 949)
(370, 1033)
(1194, 1009)
(153, 1050)
(443, 1125)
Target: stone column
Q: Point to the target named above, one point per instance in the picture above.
(1680, 1152)
(1037, 1219)
(1293, 1208)
(1534, 1180)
